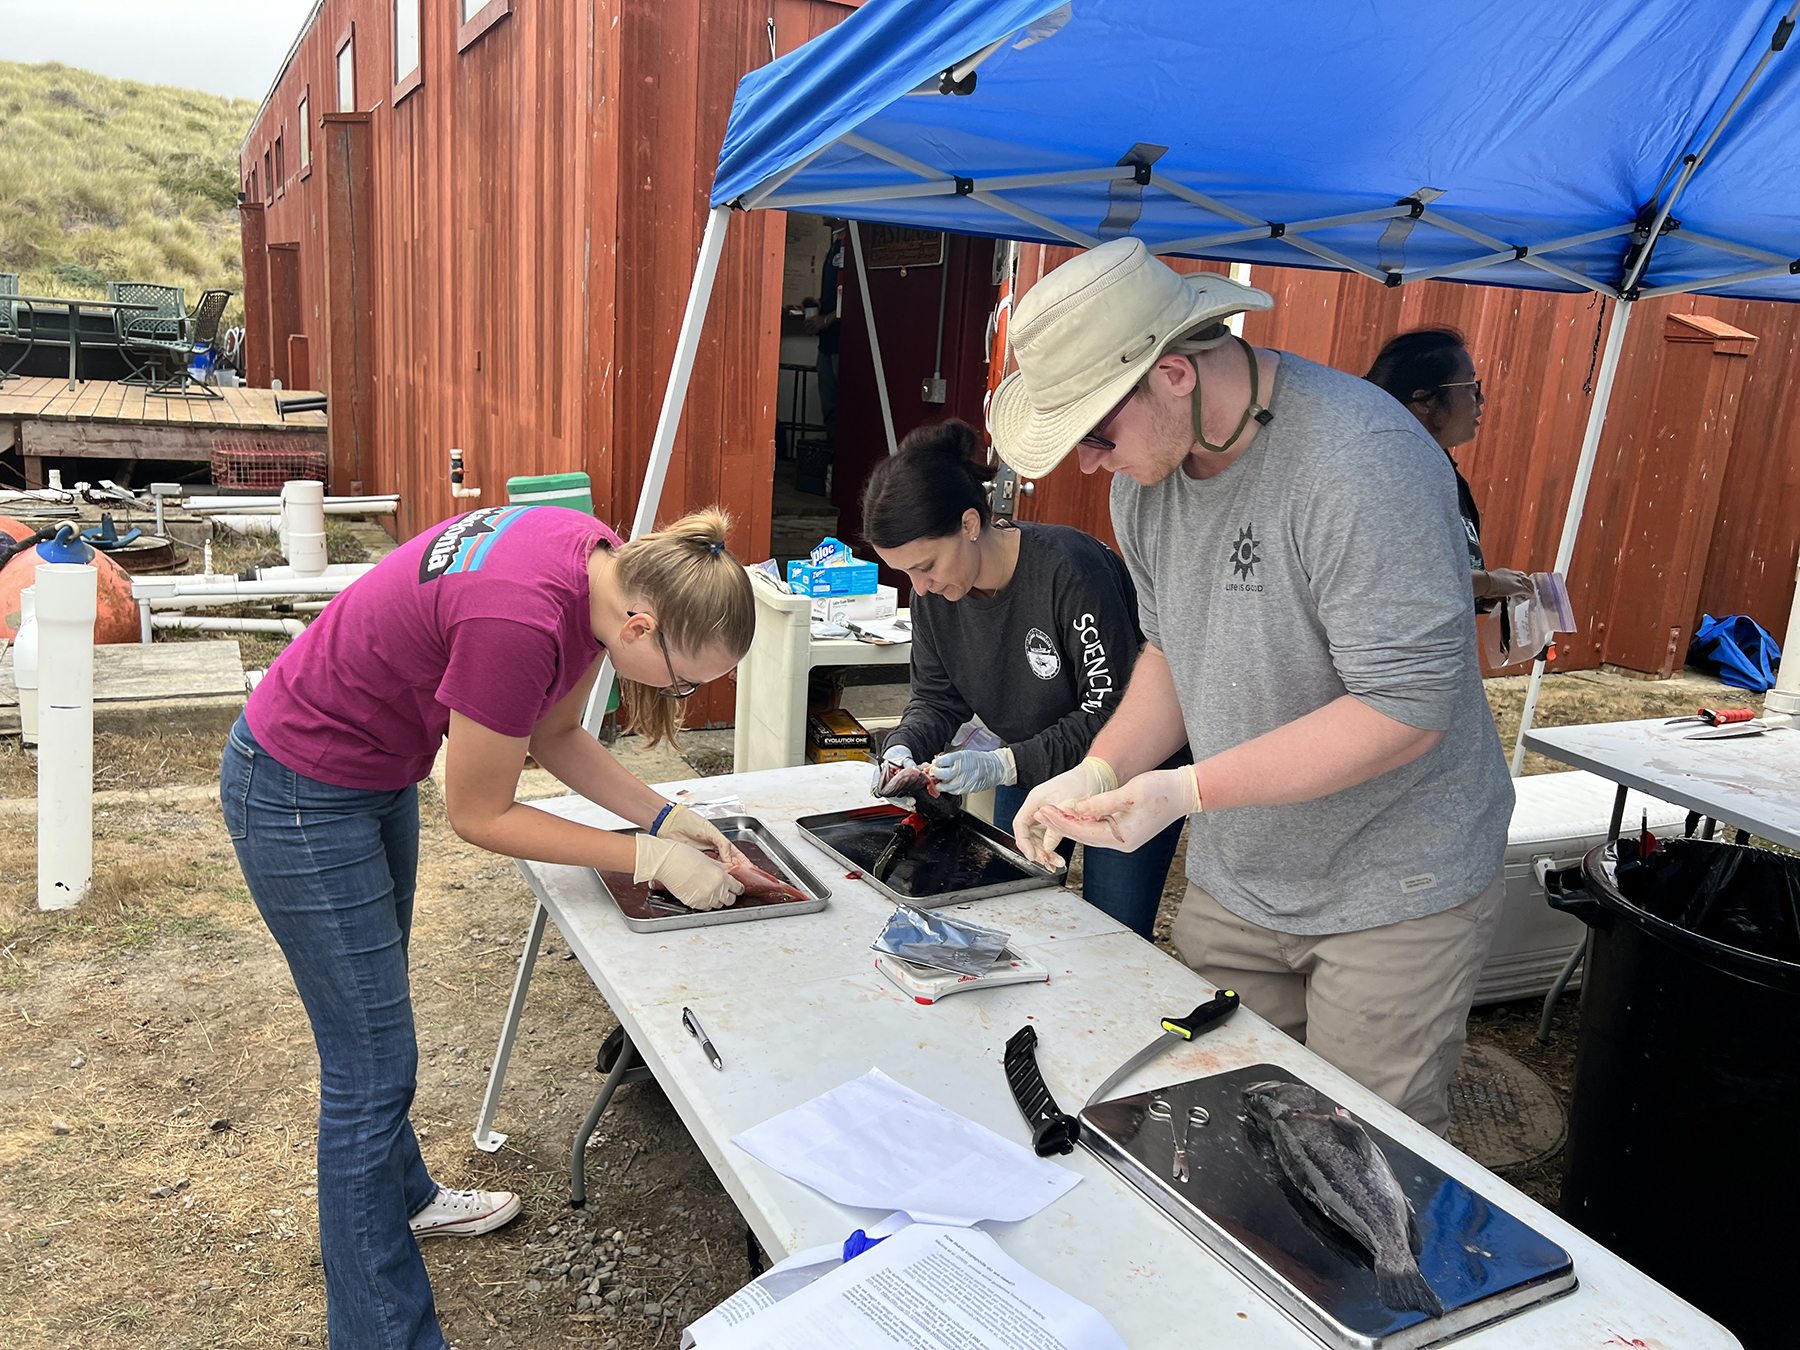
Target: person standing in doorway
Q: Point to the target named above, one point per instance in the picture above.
(826, 323)
(1433, 375)
(1303, 589)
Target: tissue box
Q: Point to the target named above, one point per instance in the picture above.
(855, 578)
(884, 604)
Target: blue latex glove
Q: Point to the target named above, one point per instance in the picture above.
(969, 771)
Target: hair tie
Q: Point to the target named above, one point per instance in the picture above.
(715, 547)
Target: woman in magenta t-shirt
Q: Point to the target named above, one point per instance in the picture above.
(487, 629)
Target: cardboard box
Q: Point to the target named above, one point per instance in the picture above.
(884, 604)
(835, 729)
(839, 578)
(814, 755)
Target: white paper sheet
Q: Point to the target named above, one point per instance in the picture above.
(873, 1144)
(927, 1288)
(785, 1277)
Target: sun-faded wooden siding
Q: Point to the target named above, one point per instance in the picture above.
(1741, 520)
(538, 203)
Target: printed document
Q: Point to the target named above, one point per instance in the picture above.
(925, 1288)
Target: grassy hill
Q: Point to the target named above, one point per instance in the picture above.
(111, 180)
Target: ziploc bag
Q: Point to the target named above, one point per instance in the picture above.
(1521, 626)
(940, 942)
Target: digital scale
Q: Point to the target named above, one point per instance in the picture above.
(926, 985)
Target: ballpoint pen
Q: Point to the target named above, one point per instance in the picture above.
(698, 1032)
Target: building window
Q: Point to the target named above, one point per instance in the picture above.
(268, 177)
(306, 132)
(346, 76)
(280, 166)
(477, 17)
(406, 39)
(251, 188)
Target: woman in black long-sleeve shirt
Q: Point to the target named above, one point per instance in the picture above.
(1030, 627)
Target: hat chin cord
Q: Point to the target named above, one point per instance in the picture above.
(1255, 409)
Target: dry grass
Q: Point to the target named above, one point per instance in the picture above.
(112, 180)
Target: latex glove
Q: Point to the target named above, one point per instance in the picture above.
(1502, 582)
(967, 771)
(690, 827)
(688, 874)
(1131, 816)
(1037, 840)
(895, 757)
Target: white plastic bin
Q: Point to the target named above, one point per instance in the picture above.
(1559, 817)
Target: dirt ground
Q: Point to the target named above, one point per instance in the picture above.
(158, 1088)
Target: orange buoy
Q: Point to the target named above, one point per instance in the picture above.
(10, 526)
(117, 616)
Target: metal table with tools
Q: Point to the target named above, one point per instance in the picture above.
(795, 1007)
(1751, 782)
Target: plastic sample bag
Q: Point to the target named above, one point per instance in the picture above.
(1521, 626)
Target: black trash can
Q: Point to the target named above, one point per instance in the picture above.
(1684, 1132)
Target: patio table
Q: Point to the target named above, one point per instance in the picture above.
(74, 307)
(796, 1007)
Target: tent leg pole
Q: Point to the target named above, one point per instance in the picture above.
(1781, 705)
(1584, 473)
(862, 280)
(662, 447)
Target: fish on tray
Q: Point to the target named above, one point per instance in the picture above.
(1334, 1163)
(901, 782)
(756, 883)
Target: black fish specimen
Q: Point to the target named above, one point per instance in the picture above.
(1332, 1162)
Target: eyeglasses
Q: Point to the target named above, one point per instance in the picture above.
(1094, 440)
(1466, 384)
(676, 687)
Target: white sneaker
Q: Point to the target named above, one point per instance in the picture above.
(464, 1213)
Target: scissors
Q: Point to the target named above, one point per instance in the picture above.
(1197, 1116)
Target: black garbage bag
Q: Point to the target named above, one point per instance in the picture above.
(1748, 898)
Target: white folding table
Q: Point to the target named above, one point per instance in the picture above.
(796, 1007)
(1752, 782)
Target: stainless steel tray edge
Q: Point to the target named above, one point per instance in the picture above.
(1288, 1299)
(734, 828)
(1002, 843)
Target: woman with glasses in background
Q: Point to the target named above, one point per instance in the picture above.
(488, 630)
(1432, 373)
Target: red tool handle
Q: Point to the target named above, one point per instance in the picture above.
(1719, 717)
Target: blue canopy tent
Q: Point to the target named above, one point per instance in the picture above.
(1609, 146)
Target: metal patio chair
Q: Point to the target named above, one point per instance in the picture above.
(159, 344)
(11, 331)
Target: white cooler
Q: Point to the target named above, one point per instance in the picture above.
(1558, 818)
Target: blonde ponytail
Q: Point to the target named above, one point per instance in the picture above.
(684, 575)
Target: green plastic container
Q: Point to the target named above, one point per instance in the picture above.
(573, 490)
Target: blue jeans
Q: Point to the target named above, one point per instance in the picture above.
(332, 872)
(1127, 886)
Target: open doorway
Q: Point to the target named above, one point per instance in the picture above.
(806, 390)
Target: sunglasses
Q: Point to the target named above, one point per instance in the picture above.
(1466, 384)
(676, 687)
(1094, 440)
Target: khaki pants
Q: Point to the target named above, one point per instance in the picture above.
(1389, 1006)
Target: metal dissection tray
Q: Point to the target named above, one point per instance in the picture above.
(964, 859)
(647, 912)
(1483, 1263)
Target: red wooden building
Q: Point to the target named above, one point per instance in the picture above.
(475, 225)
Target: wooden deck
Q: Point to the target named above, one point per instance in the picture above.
(43, 418)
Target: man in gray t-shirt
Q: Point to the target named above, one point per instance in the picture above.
(1303, 589)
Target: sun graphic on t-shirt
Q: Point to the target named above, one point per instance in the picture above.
(1246, 553)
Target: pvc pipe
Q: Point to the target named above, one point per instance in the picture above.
(257, 506)
(168, 588)
(303, 517)
(1584, 473)
(668, 421)
(25, 666)
(1782, 703)
(292, 627)
(862, 280)
(69, 592)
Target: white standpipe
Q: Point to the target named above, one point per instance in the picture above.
(303, 526)
(25, 665)
(1782, 703)
(69, 593)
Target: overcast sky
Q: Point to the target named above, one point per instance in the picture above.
(231, 47)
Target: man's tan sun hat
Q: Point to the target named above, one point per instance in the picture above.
(1087, 333)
